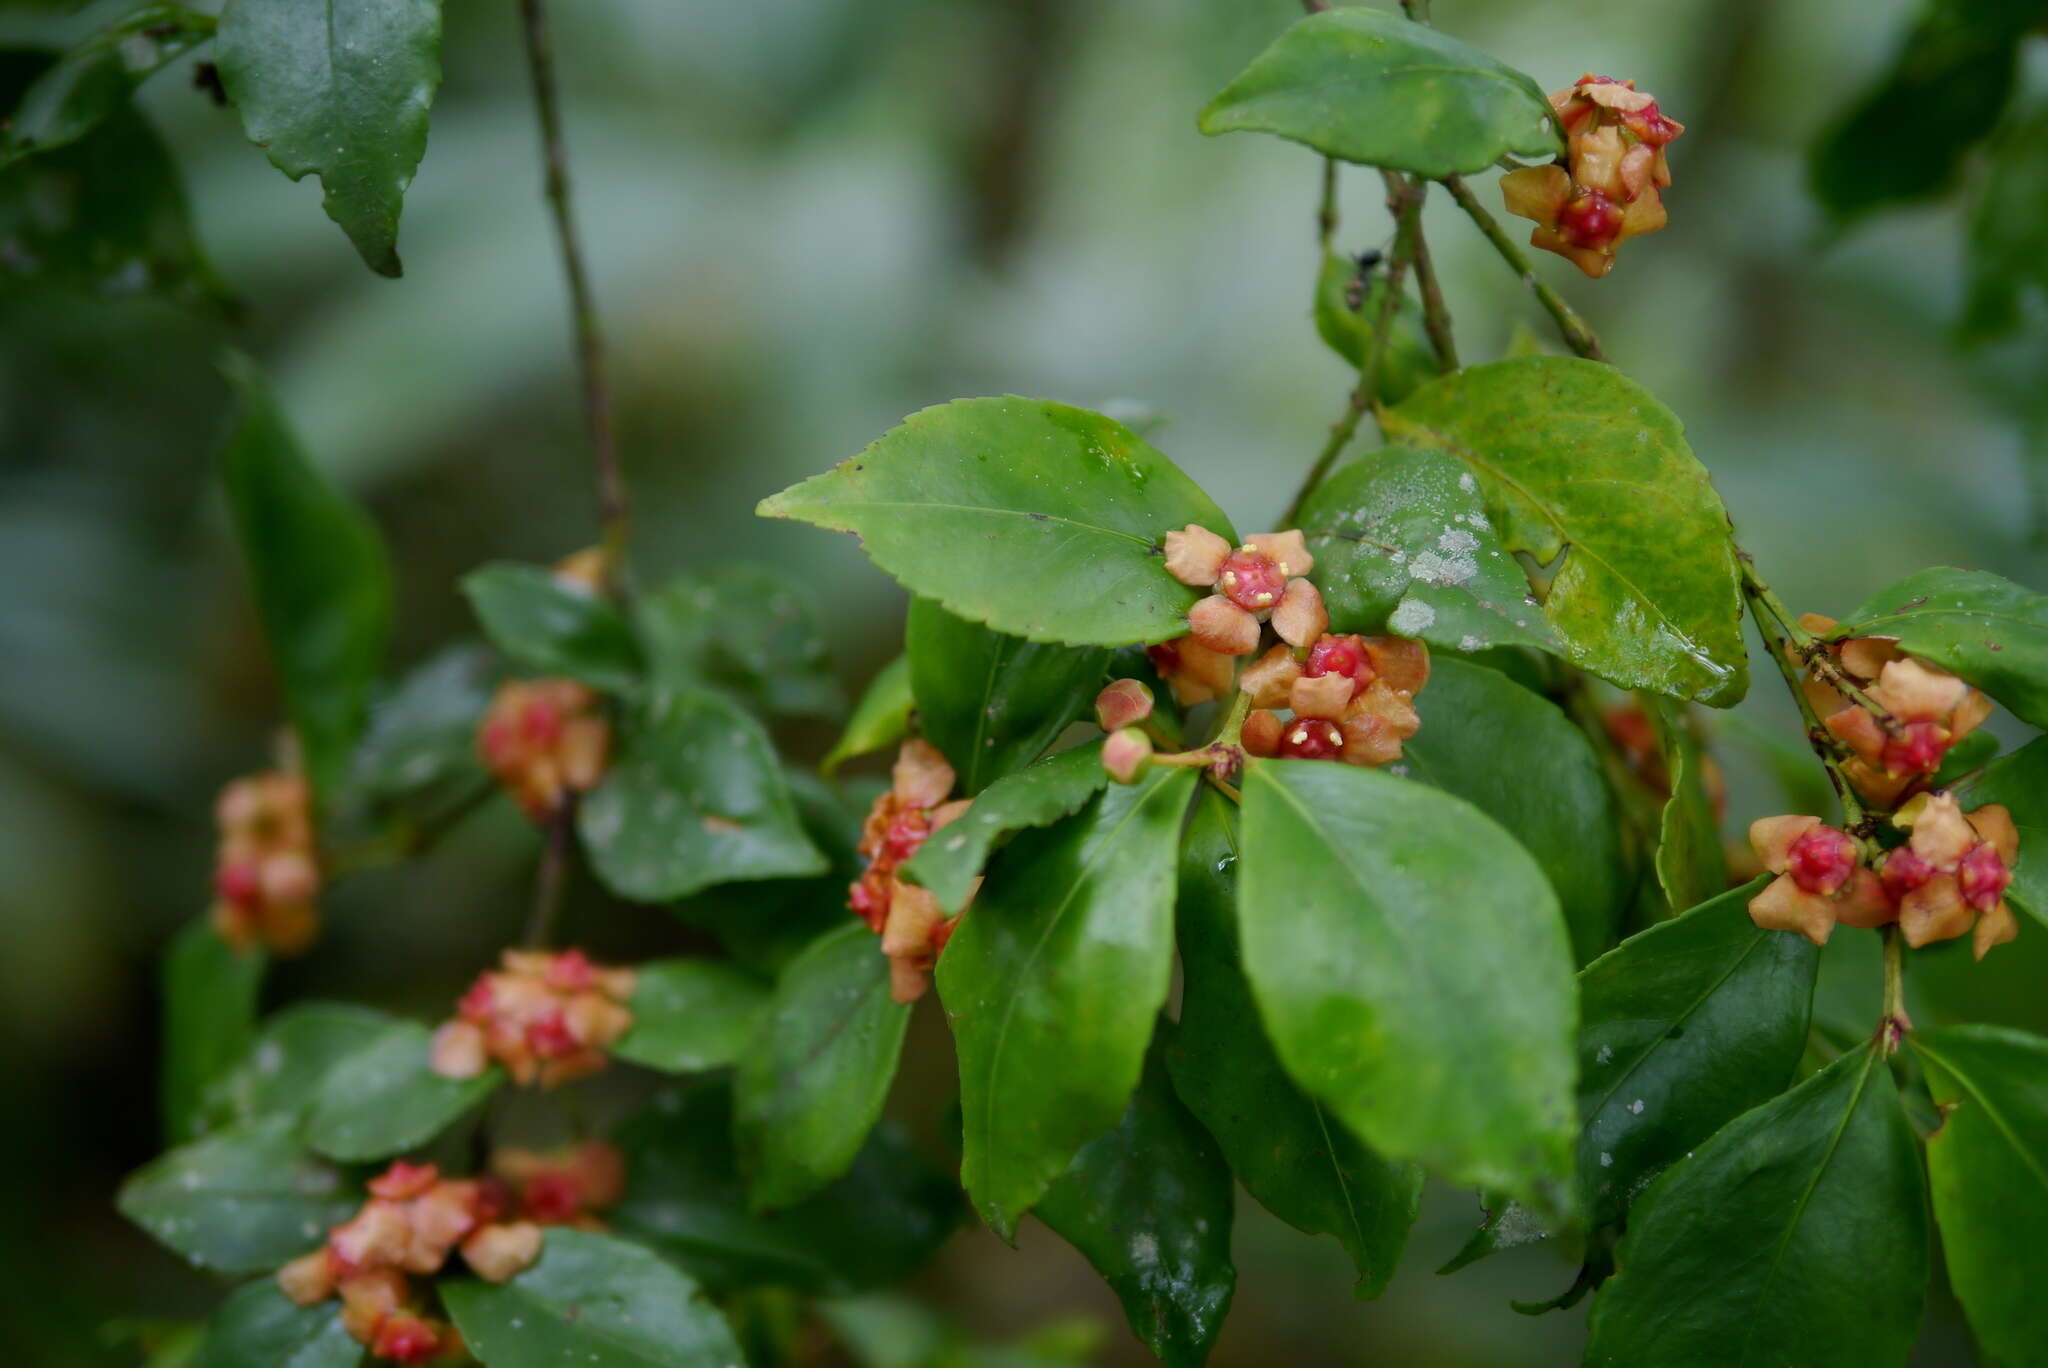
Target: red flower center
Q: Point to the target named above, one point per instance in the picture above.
(1983, 876)
(1251, 580)
(1903, 871)
(1919, 751)
(1590, 220)
(1821, 860)
(1311, 738)
(1340, 655)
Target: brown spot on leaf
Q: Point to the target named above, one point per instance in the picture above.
(721, 826)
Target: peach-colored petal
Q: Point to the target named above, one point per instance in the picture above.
(1993, 824)
(921, 775)
(307, 1279)
(1864, 903)
(1635, 170)
(1859, 731)
(1866, 657)
(1874, 784)
(1398, 663)
(1772, 837)
(1262, 732)
(497, 1253)
(1643, 214)
(1375, 724)
(1969, 715)
(1223, 627)
(1995, 927)
(1270, 679)
(1596, 160)
(1914, 692)
(1941, 834)
(907, 981)
(1324, 696)
(1617, 95)
(1195, 555)
(1537, 192)
(1288, 550)
(1785, 906)
(945, 814)
(1816, 624)
(1300, 617)
(914, 913)
(1935, 911)
(458, 1050)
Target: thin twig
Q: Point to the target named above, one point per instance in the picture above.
(1824, 745)
(549, 878)
(1577, 335)
(1813, 652)
(1436, 315)
(1893, 1023)
(590, 350)
(1326, 211)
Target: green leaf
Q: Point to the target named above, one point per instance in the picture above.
(1516, 757)
(1575, 459)
(1988, 1165)
(243, 1200)
(1300, 1164)
(1907, 137)
(812, 1087)
(869, 1229)
(340, 90)
(1987, 629)
(105, 215)
(690, 1015)
(281, 1073)
(1052, 983)
(1691, 864)
(592, 1299)
(1043, 521)
(2004, 257)
(1402, 542)
(1366, 86)
(383, 1099)
(1149, 1205)
(695, 798)
(745, 629)
(991, 702)
(554, 626)
(94, 80)
(322, 583)
(2020, 782)
(210, 991)
(1797, 1234)
(1683, 1028)
(1035, 796)
(1347, 329)
(880, 719)
(258, 1327)
(417, 764)
(1413, 972)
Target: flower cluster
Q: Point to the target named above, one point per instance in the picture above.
(1946, 880)
(414, 1219)
(1258, 582)
(912, 925)
(547, 1017)
(1931, 708)
(1608, 189)
(264, 875)
(1352, 699)
(566, 1186)
(546, 740)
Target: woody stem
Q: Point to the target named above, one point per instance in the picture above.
(1577, 335)
(548, 879)
(1894, 1022)
(1811, 650)
(1776, 641)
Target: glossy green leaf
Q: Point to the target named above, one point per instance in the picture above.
(105, 215)
(548, 624)
(210, 992)
(243, 1200)
(1402, 543)
(1369, 86)
(417, 764)
(1516, 757)
(694, 798)
(1413, 972)
(690, 1015)
(991, 702)
(1907, 137)
(2019, 781)
(258, 1327)
(1797, 1234)
(383, 1099)
(1575, 459)
(1347, 327)
(95, 79)
(1300, 1163)
(1038, 795)
(592, 1299)
(340, 90)
(1052, 983)
(812, 1086)
(1043, 521)
(873, 1227)
(879, 720)
(1149, 1205)
(745, 629)
(1691, 864)
(2005, 262)
(281, 1072)
(318, 568)
(1985, 628)
(1988, 1166)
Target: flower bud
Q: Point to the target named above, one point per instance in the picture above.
(1125, 703)
(1125, 754)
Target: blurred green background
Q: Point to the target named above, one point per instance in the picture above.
(806, 219)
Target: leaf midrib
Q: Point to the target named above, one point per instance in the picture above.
(2032, 1164)
(925, 505)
